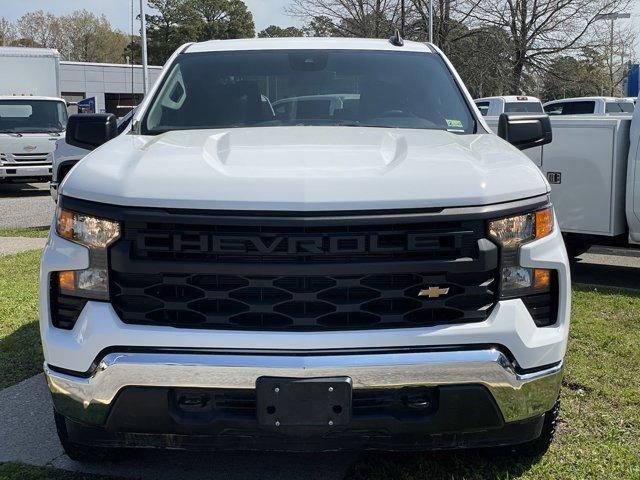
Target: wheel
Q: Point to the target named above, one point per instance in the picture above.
(82, 453)
(576, 247)
(539, 446)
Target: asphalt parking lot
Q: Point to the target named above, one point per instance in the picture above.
(25, 205)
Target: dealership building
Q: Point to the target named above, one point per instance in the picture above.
(115, 87)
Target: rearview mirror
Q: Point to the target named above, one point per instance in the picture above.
(90, 130)
(525, 131)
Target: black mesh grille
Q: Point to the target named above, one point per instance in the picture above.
(298, 274)
(301, 302)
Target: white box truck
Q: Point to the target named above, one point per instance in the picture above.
(32, 114)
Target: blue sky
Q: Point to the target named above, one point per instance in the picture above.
(265, 12)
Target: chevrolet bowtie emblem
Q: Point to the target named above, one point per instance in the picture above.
(433, 292)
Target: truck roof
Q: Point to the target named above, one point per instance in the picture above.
(510, 98)
(589, 99)
(305, 43)
(28, 52)
(29, 97)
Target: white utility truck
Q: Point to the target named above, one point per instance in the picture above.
(32, 114)
(383, 276)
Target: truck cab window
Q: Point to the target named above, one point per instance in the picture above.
(24, 115)
(523, 107)
(483, 107)
(571, 108)
(619, 107)
(309, 88)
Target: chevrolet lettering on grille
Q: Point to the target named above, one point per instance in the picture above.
(383, 243)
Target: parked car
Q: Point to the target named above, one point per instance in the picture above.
(590, 106)
(32, 114)
(220, 278)
(495, 106)
(66, 156)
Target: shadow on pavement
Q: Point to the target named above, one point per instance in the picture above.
(471, 464)
(8, 190)
(613, 276)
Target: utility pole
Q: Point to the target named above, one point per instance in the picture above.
(402, 19)
(613, 17)
(143, 44)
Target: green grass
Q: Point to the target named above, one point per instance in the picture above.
(34, 232)
(20, 350)
(599, 431)
(16, 471)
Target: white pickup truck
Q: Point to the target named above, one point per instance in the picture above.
(496, 106)
(389, 275)
(590, 106)
(32, 116)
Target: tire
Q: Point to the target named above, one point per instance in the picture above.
(539, 446)
(576, 247)
(82, 453)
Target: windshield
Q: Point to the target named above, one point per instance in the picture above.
(308, 87)
(523, 107)
(32, 116)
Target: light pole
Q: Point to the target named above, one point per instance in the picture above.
(143, 44)
(613, 17)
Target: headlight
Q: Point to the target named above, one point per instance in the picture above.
(512, 232)
(96, 234)
(515, 231)
(86, 230)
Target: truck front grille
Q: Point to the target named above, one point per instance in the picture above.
(335, 302)
(291, 273)
(26, 159)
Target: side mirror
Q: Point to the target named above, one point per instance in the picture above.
(525, 131)
(89, 131)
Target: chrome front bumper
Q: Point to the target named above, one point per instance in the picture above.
(519, 396)
(8, 171)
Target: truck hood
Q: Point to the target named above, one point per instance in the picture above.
(305, 169)
(28, 143)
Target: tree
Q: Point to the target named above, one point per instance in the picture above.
(481, 58)
(568, 76)
(320, 26)
(92, 39)
(174, 24)
(540, 30)
(8, 34)
(273, 31)
(349, 18)
(180, 21)
(41, 29)
(223, 19)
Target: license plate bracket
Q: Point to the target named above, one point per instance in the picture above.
(303, 402)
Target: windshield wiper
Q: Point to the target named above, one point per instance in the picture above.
(11, 132)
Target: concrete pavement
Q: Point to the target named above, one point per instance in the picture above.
(11, 245)
(28, 435)
(25, 205)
